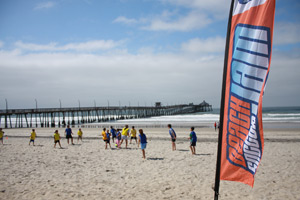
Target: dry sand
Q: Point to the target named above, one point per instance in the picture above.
(88, 171)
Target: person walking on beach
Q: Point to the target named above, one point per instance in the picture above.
(113, 133)
(106, 137)
(32, 137)
(133, 135)
(173, 136)
(118, 138)
(193, 141)
(57, 139)
(79, 133)
(69, 134)
(125, 134)
(1, 135)
(215, 125)
(143, 142)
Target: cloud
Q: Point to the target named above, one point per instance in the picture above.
(218, 9)
(44, 5)
(200, 4)
(146, 76)
(209, 45)
(283, 82)
(93, 45)
(124, 20)
(186, 16)
(191, 21)
(286, 33)
(35, 47)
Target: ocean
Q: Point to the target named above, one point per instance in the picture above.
(273, 117)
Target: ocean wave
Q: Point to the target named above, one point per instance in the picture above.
(282, 114)
(177, 118)
(281, 118)
(209, 118)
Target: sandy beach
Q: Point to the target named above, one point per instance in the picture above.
(88, 171)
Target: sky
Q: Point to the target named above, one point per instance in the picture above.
(131, 52)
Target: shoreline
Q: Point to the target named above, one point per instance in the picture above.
(268, 125)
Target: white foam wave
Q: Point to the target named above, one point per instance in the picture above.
(178, 118)
(282, 114)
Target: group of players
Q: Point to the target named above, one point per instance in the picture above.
(118, 136)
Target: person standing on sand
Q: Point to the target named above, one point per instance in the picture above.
(1, 135)
(118, 138)
(143, 142)
(79, 133)
(69, 134)
(215, 125)
(57, 139)
(113, 133)
(193, 141)
(32, 137)
(106, 138)
(125, 134)
(133, 134)
(173, 136)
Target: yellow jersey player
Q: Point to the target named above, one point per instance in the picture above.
(1, 135)
(32, 137)
(57, 139)
(133, 134)
(125, 133)
(79, 133)
(106, 137)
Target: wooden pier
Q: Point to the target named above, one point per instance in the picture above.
(52, 117)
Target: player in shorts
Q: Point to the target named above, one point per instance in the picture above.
(173, 136)
(133, 135)
(79, 133)
(106, 137)
(1, 135)
(193, 141)
(118, 138)
(57, 139)
(125, 133)
(32, 137)
(113, 133)
(69, 134)
(143, 142)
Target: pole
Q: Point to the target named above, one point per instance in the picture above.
(6, 105)
(36, 106)
(218, 164)
(35, 113)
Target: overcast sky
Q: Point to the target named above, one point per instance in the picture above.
(131, 51)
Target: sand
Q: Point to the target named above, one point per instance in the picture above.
(88, 171)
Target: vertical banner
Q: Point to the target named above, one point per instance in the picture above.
(248, 65)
